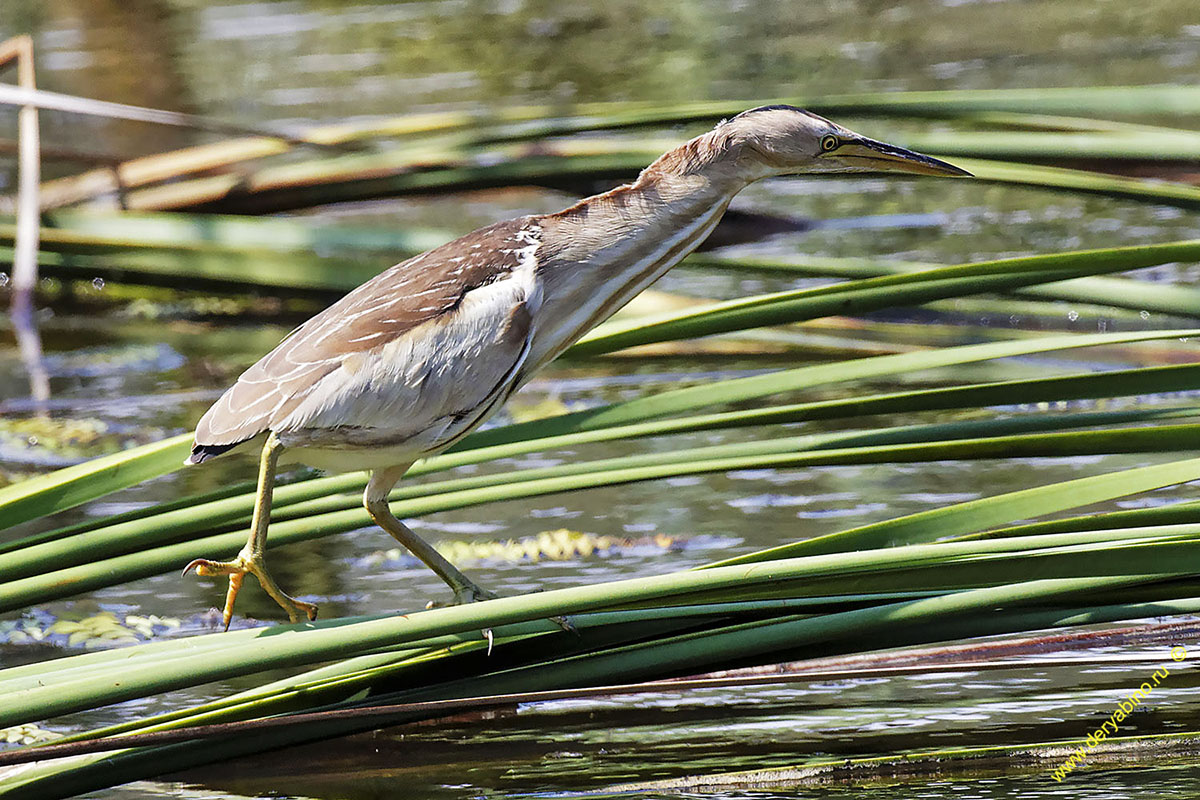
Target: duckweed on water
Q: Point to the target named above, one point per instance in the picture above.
(558, 545)
(27, 734)
(71, 438)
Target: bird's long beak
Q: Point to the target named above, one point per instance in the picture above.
(883, 157)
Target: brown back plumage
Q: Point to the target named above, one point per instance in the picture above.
(389, 305)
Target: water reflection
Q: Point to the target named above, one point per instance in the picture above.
(583, 745)
(29, 345)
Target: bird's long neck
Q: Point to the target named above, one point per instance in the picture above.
(597, 255)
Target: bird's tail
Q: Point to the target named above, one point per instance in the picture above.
(203, 452)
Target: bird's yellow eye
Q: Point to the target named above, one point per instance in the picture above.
(829, 143)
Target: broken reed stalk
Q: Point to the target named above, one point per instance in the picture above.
(29, 97)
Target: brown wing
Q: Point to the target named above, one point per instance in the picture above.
(389, 305)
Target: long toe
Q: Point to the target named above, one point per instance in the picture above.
(469, 593)
(235, 586)
(206, 568)
(297, 610)
(473, 594)
(237, 570)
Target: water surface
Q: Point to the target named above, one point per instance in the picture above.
(131, 373)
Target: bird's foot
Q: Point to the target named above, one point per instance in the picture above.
(473, 593)
(466, 593)
(237, 569)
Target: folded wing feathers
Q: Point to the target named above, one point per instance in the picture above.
(395, 302)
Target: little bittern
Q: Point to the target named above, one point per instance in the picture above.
(415, 358)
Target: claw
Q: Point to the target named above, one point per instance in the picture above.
(206, 568)
(235, 586)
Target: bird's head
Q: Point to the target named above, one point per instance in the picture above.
(784, 140)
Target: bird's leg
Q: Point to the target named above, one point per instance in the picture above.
(375, 498)
(252, 558)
